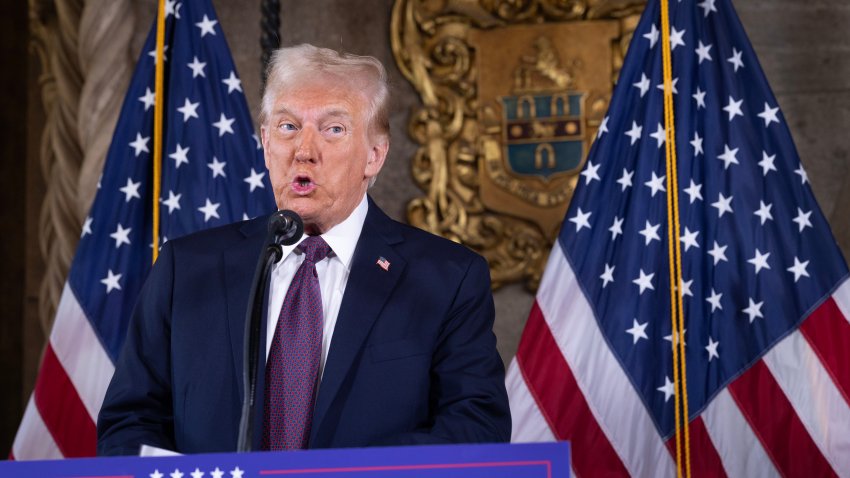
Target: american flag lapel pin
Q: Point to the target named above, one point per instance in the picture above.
(383, 263)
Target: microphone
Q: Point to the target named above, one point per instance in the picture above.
(285, 227)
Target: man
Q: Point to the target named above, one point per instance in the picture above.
(376, 333)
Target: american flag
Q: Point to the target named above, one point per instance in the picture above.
(212, 174)
(766, 300)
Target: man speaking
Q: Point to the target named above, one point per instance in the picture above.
(376, 333)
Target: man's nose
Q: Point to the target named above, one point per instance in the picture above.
(307, 149)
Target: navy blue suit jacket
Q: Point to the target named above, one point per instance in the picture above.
(413, 357)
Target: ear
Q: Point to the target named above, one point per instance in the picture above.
(377, 156)
(264, 139)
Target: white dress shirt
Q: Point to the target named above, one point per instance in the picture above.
(333, 272)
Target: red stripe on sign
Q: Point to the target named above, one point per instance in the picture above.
(828, 332)
(705, 461)
(777, 425)
(554, 388)
(62, 411)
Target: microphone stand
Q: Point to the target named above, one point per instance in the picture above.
(288, 231)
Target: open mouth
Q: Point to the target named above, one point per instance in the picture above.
(303, 184)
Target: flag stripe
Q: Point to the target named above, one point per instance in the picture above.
(801, 375)
(33, 440)
(62, 410)
(529, 424)
(776, 423)
(79, 350)
(828, 332)
(705, 461)
(738, 447)
(598, 374)
(552, 384)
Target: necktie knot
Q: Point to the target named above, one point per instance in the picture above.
(315, 249)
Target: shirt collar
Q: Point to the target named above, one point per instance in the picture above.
(343, 237)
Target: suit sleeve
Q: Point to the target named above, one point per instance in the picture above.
(137, 408)
(468, 396)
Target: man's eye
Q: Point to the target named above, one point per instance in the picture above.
(336, 129)
(287, 127)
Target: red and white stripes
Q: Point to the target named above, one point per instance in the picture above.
(61, 414)
(788, 414)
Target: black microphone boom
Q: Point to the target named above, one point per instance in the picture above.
(284, 228)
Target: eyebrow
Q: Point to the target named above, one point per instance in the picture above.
(333, 112)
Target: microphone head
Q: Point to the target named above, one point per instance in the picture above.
(285, 227)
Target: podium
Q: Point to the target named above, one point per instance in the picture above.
(532, 460)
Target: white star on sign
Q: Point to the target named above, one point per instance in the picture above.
(179, 156)
(607, 276)
(714, 300)
(236, 473)
(753, 310)
(217, 168)
(131, 190)
(718, 252)
(197, 68)
(173, 201)
(694, 191)
(712, 349)
(140, 144)
(660, 86)
(625, 180)
(700, 97)
(729, 156)
(255, 180)
(86, 227)
(616, 228)
(176, 473)
(759, 261)
(723, 205)
(189, 110)
(121, 235)
(802, 219)
(764, 212)
(689, 239)
(233, 83)
(697, 144)
(766, 163)
(707, 6)
(224, 125)
(656, 183)
(650, 232)
(148, 99)
(802, 173)
(703, 52)
(769, 115)
(197, 473)
(210, 210)
(217, 473)
(676, 38)
(638, 331)
(156, 474)
(603, 128)
(659, 135)
(733, 108)
(799, 269)
(634, 133)
(643, 84)
(590, 172)
(644, 281)
(652, 36)
(111, 283)
(736, 59)
(581, 219)
(667, 388)
(206, 26)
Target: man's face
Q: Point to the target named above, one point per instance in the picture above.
(319, 151)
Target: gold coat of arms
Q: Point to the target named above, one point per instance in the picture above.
(513, 93)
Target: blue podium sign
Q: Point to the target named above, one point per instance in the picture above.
(538, 460)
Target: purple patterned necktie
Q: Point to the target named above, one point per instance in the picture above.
(292, 366)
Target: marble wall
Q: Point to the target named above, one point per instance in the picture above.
(804, 49)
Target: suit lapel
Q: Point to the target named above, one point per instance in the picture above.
(367, 290)
(239, 263)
